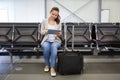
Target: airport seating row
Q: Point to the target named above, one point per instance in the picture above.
(88, 38)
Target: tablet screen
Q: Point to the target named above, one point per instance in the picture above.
(52, 31)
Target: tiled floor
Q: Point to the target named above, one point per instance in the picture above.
(100, 68)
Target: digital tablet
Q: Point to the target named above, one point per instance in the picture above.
(50, 31)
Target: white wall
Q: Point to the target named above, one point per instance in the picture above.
(7, 5)
(83, 10)
(34, 10)
(29, 10)
(114, 7)
(24, 10)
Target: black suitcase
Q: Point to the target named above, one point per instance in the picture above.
(70, 63)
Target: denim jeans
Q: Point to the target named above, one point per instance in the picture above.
(50, 52)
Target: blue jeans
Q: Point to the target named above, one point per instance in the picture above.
(50, 52)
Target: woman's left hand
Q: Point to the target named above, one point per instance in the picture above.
(59, 33)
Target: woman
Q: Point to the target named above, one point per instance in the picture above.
(51, 42)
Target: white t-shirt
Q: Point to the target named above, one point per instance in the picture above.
(51, 37)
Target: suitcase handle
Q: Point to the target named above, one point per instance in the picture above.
(71, 52)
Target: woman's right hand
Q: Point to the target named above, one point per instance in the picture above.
(59, 33)
(45, 31)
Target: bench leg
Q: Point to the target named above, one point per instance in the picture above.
(11, 58)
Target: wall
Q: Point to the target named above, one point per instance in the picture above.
(7, 5)
(70, 10)
(76, 11)
(114, 7)
(24, 10)
(29, 10)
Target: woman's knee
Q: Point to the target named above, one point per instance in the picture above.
(45, 45)
(55, 45)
